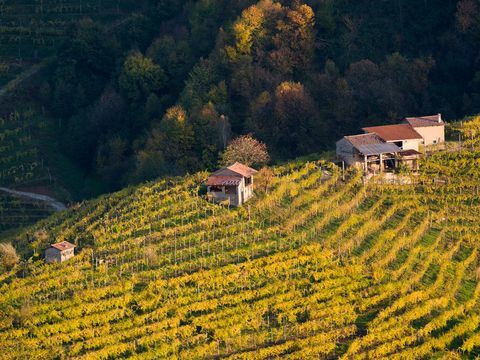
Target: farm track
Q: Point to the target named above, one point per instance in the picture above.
(53, 203)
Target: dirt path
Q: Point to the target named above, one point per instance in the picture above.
(55, 204)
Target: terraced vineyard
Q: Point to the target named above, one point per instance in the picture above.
(316, 267)
(18, 212)
(20, 159)
(32, 30)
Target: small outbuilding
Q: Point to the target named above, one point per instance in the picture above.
(233, 183)
(59, 252)
(373, 155)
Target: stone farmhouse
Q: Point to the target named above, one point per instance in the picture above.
(59, 252)
(386, 148)
(233, 183)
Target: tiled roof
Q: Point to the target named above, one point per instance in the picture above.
(223, 180)
(64, 245)
(423, 121)
(225, 171)
(241, 169)
(230, 175)
(364, 139)
(394, 132)
(371, 144)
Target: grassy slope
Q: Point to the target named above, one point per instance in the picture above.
(318, 267)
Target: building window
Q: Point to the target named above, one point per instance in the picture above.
(248, 181)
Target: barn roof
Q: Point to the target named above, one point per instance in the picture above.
(424, 121)
(394, 132)
(371, 144)
(64, 245)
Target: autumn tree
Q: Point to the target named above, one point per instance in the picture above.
(8, 256)
(246, 150)
(264, 179)
(294, 40)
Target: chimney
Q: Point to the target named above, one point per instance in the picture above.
(439, 117)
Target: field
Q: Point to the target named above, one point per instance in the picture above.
(317, 266)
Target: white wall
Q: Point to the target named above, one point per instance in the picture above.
(411, 144)
(432, 134)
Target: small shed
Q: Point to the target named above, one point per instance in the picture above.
(233, 183)
(372, 154)
(59, 252)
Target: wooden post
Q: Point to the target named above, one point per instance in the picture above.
(381, 163)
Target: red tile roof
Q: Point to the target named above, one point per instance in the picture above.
(394, 132)
(64, 245)
(423, 121)
(223, 180)
(230, 175)
(241, 169)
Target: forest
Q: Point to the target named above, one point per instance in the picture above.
(163, 91)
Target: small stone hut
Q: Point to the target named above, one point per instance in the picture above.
(59, 252)
(233, 183)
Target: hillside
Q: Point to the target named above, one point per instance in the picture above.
(131, 91)
(316, 267)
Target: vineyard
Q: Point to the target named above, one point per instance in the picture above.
(20, 159)
(17, 212)
(317, 266)
(32, 30)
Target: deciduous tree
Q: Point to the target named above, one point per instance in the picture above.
(247, 150)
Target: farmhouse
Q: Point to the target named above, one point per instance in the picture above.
(402, 135)
(59, 252)
(431, 128)
(233, 183)
(370, 153)
(388, 147)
